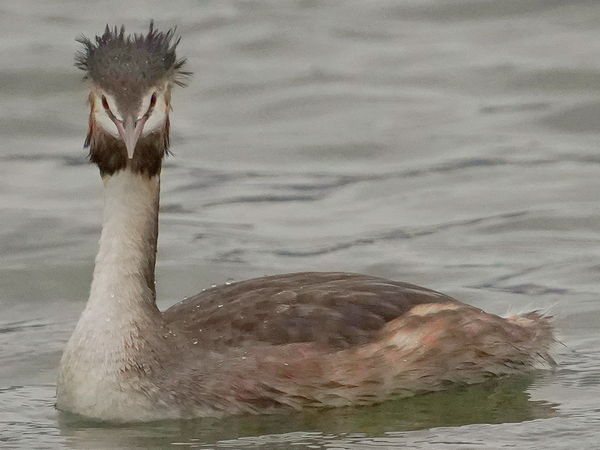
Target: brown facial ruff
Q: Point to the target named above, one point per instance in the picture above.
(129, 67)
(110, 154)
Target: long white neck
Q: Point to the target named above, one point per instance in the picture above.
(124, 272)
(120, 336)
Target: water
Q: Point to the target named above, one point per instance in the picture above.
(452, 144)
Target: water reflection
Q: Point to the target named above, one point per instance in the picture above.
(504, 400)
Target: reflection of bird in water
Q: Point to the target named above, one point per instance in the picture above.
(498, 400)
(287, 341)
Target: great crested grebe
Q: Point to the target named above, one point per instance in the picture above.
(292, 341)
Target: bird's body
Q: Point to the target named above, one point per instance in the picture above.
(283, 342)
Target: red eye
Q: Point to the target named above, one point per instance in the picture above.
(105, 102)
(153, 100)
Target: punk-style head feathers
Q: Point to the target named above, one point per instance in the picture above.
(119, 63)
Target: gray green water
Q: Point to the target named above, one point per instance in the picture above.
(453, 144)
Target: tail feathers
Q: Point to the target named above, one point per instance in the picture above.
(541, 337)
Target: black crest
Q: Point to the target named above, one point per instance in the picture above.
(121, 63)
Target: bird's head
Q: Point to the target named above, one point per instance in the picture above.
(130, 79)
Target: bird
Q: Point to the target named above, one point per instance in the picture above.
(267, 345)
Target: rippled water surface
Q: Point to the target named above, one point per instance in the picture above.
(450, 143)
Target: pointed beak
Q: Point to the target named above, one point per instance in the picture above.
(130, 131)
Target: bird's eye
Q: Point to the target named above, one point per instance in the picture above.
(153, 100)
(105, 102)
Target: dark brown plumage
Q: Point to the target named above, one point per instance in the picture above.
(333, 308)
(317, 339)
